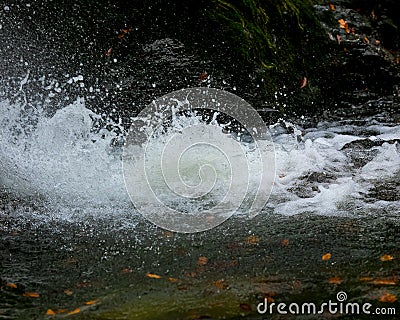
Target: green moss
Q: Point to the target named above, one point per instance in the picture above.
(264, 32)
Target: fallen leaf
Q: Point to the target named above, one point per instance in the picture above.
(332, 6)
(326, 257)
(50, 312)
(377, 42)
(220, 284)
(61, 310)
(68, 292)
(77, 310)
(335, 280)
(153, 276)
(202, 261)
(363, 279)
(191, 274)
(390, 282)
(342, 23)
(285, 242)
(387, 257)
(245, 307)
(91, 302)
(203, 76)
(303, 82)
(252, 240)
(366, 40)
(173, 280)
(339, 39)
(11, 285)
(387, 297)
(31, 294)
(108, 52)
(126, 270)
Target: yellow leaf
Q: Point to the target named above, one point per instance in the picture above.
(31, 294)
(153, 276)
(387, 257)
(91, 302)
(387, 297)
(11, 285)
(50, 312)
(77, 310)
(326, 257)
(172, 279)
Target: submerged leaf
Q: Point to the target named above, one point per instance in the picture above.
(50, 312)
(387, 257)
(77, 310)
(31, 294)
(387, 297)
(91, 302)
(326, 257)
(153, 276)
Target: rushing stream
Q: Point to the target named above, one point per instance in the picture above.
(72, 244)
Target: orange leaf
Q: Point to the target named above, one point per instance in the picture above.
(89, 303)
(252, 240)
(31, 294)
(285, 242)
(220, 284)
(50, 312)
(387, 257)
(203, 76)
(77, 310)
(173, 280)
(342, 23)
(390, 282)
(366, 40)
(387, 297)
(11, 285)
(335, 280)
(202, 261)
(332, 6)
(68, 292)
(153, 276)
(326, 257)
(365, 279)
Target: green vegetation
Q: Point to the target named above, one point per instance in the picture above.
(266, 32)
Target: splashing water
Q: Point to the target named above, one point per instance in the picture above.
(333, 169)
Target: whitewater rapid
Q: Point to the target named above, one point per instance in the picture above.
(68, 168)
